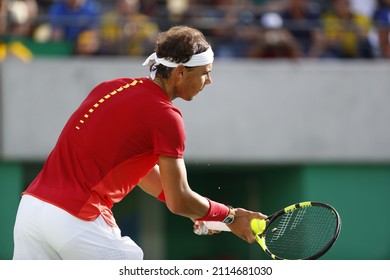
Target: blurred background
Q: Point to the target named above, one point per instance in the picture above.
(298, 109)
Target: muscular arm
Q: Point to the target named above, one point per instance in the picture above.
(180, 199)
(171, 176)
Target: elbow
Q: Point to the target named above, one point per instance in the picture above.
(177, 207)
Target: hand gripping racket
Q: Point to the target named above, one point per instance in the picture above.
(305, 230)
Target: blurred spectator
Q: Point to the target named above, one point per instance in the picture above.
(265, 6)
(126, 31)
(320, 5)
(16, 24)
(149, 7)
(364, 7)
(382, 22)
(230, 25)
(177, 12)
(346, 32)
(3, 16)
(303, 21)
(44, 5)
(18, 17)
(274, 41)
(3, 27)
(218, 22)
(368, 8)
(76, 21)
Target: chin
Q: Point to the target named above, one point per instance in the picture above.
(188, 98)
(191, 97)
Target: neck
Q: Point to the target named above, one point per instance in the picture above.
(162, 85)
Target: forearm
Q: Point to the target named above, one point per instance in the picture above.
(179, 197)
(188, 204)
(171, 186)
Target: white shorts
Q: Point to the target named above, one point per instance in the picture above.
(44, 231)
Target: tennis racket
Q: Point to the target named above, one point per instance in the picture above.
(305, 230)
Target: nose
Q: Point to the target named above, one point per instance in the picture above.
(208, 79)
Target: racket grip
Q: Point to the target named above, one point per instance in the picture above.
(216, 226)
(210, 225)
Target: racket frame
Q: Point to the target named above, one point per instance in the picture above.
(261, 238)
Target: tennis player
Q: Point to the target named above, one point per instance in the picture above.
(126, 133)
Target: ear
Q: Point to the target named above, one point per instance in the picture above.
(180, 71)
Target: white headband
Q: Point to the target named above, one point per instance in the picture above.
(199, 59)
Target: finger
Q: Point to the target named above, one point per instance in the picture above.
(258, 215)
(262, 216)
(250, 238)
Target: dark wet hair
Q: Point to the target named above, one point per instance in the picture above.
(178, 45)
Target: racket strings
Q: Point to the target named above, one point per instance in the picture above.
(301, 233)
(282, 226)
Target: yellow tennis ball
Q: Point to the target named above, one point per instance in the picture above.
(258, 226)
